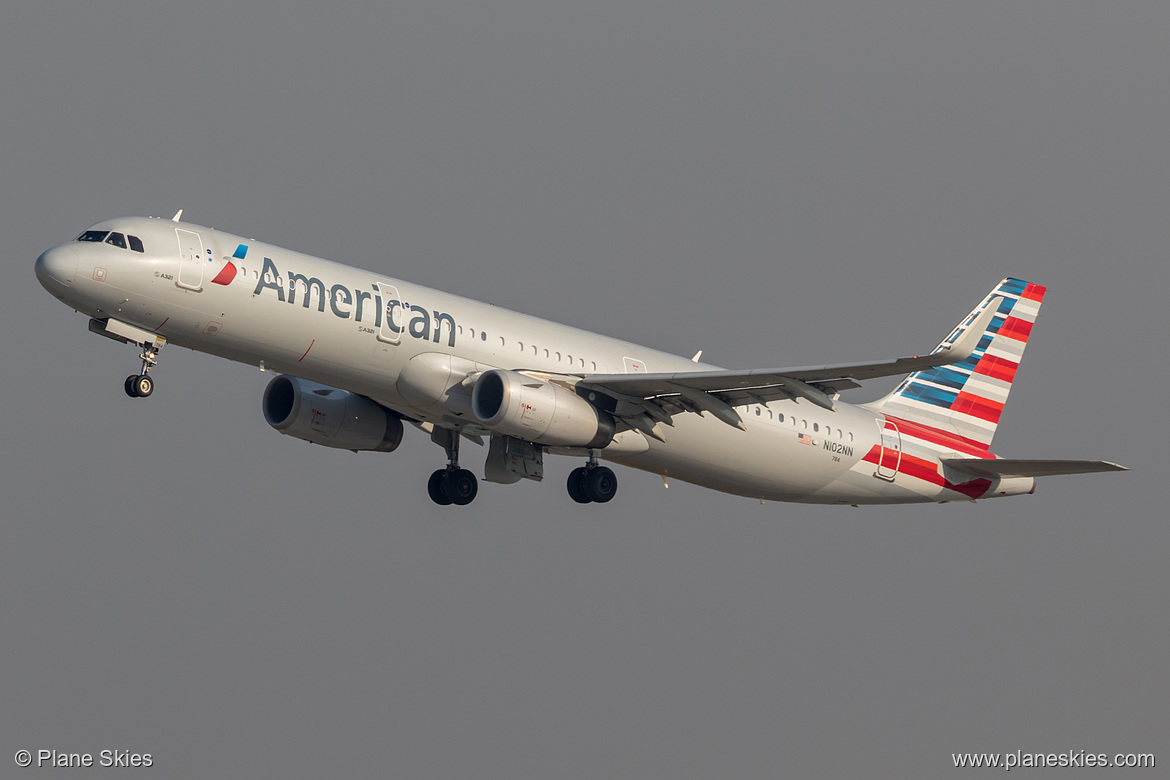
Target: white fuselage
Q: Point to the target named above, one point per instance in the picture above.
(323, 321)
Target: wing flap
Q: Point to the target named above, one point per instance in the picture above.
(1006, 467)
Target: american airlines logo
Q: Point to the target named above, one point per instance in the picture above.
(363, 306)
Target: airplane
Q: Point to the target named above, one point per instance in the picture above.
(358, 354)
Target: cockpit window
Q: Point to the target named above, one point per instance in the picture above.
(113, 239)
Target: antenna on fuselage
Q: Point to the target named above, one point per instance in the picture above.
(178, 214)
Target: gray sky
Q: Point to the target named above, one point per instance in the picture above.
(773, 183)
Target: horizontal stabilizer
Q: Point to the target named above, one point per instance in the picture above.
(1005, 467)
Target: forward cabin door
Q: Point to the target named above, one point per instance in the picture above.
(891, 456)
(390, 326)
(191, 260)
(393, 317)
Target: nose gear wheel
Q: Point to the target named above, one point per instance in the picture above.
(142, 385)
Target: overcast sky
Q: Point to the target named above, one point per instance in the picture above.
(773, 183)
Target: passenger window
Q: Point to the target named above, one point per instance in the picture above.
(521, 343)
(136, 243)
(117, 239)
(594, 366)
(97, 236)
(569, 358)
(780, 416)
(758, 411)
(483, 335)
(816, 427)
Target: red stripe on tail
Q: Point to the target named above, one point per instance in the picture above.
(1014, 328)
(927, 471)
(997, 368)
(977, 406)
(947, 439)
(1034, 292)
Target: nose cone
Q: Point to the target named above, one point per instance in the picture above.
(56, 268)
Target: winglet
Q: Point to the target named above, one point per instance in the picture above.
(966, 344)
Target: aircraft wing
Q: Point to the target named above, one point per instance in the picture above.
(643, 400)
(1005, 467)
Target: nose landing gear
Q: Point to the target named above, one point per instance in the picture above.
(141, 385)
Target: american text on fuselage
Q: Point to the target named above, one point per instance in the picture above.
(343, 302)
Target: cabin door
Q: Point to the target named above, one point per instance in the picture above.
(393, 316)
(191, 260)
(891, 456)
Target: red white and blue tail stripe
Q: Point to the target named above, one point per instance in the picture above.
(967, 398)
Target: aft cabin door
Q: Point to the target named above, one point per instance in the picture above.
(191, 260)
(891, 456)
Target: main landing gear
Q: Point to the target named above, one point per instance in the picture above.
(592, 483)
(141, 385)
(451, 485)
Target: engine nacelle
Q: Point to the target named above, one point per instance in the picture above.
(329, 416)
(514, 404)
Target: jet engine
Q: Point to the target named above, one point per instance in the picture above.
(514, 404)
(329, 416)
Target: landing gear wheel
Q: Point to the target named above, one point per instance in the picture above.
(128, 386)
(437, 488)
(576, 485)
(600, 484)
(461, 486)
(143, 386)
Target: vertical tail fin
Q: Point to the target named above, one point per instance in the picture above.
(968, 397)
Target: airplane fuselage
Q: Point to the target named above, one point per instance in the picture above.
(407, 347)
